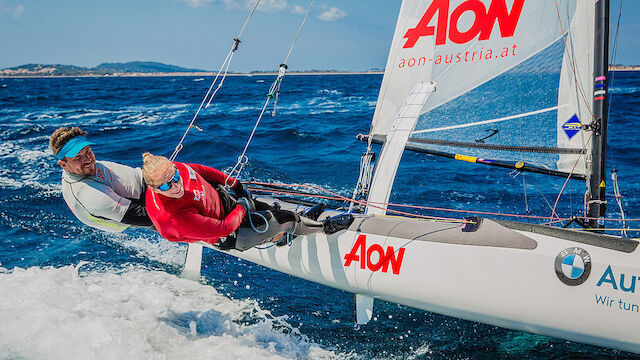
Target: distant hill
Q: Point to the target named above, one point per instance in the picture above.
(142, 67)
(145, 67)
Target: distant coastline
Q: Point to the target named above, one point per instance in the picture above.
(154, 69)
(624, 68)
(192, 74)
(140, 69)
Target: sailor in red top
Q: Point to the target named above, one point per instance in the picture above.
(187, 203)
(193, 211)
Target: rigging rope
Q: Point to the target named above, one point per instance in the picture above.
(265, 167)
(378, 204)
(585, 103)
(618, 197)
(615, 53)
(542, 194)
(345, 199)
(366, 173)
(364, 178)
(514, 174)
(614, 172)
(225, 65)
(572, 63)
(553, 211)
(273, 89)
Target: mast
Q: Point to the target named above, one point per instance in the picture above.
(597, 205)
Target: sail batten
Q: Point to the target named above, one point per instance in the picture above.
(484, 122)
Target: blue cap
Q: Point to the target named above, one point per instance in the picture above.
(73, 147)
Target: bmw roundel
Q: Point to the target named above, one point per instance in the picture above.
(573, 266)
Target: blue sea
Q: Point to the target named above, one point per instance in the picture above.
(71, 292)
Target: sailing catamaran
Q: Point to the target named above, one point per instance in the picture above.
(536, 73)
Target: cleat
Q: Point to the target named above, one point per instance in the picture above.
(314, 212)
(339, 222)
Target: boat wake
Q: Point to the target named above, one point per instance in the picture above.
(67, 313)
(148, 245)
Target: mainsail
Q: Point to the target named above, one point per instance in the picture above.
(513, 79)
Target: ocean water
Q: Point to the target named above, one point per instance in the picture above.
(71, 292)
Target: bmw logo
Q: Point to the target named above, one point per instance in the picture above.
(573, 266)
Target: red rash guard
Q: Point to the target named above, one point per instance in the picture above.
(198, 215)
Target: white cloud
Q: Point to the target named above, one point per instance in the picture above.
(332, 14)
(297, 9)
(14, 11)
(197, 3)
(230, 4)
(268, 5)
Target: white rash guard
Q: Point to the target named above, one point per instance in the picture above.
(101, 200)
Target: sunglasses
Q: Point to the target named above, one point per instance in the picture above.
(166, 186)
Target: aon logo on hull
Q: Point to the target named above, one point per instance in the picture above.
(380, 262)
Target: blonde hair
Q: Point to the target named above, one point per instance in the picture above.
(60, 137)
(151, 164)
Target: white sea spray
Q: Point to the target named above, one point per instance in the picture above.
(134, 313)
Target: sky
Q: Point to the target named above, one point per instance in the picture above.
(339, 34)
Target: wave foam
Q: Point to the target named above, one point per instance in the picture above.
(628, 90)
(82, 113)
(330, 92)
(152, 247)
(136, 313)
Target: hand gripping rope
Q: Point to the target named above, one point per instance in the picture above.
(274, 91)
(225, 66)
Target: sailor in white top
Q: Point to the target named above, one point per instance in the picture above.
(102, 194)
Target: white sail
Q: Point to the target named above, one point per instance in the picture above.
(576, 82)
(497, 62)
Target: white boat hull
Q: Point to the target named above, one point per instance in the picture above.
(493, 275)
